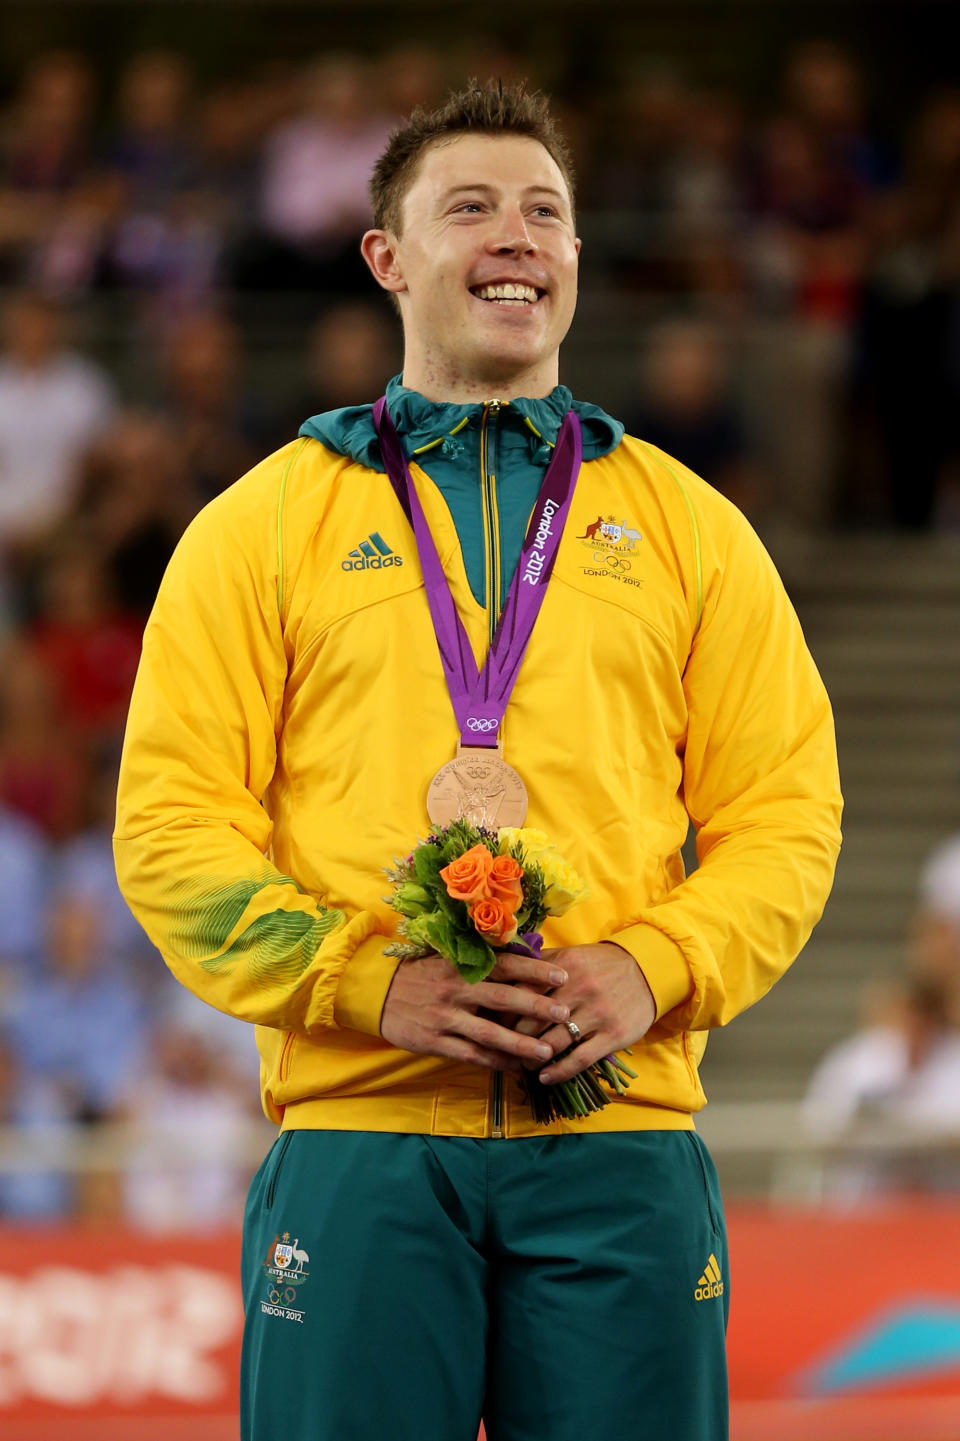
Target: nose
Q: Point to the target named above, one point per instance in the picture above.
(511, 236)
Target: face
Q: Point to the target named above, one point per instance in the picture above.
(485, 269)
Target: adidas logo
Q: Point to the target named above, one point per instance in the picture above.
(371, 554)
(711, 1282)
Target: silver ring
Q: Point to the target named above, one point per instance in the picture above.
(575, 1031)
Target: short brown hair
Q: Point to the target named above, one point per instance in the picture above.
(490, 109)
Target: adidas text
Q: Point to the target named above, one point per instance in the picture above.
(366, 562)
(711, 1282)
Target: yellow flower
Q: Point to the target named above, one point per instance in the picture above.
(563, 884)
(534, 842)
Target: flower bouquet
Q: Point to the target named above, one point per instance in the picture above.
(467, 892)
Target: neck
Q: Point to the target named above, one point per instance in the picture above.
(442, 383)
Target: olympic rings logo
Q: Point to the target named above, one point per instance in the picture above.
(615, 562)
(480, 723)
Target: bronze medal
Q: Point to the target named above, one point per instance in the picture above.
(478, 787)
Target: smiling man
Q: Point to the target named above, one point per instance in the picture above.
(485, 271)
(418, 1252)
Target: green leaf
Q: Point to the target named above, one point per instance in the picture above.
(455, 911)
(474, 958)
(427, 862)
(440, 934)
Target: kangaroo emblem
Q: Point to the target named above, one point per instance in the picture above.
(592, 529)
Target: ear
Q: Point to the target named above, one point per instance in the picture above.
(379, 250)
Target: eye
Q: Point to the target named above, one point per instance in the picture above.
(545, 210)
(469, 207)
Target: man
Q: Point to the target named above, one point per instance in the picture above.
(53, 405)
(417, 1251)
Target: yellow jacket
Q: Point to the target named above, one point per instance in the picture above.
(290, 712)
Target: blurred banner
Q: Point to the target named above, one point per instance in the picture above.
(843, 1327)
(119, 1333)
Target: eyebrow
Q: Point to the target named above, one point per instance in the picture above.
(482, 188)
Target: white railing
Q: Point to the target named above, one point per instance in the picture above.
(769, 1135)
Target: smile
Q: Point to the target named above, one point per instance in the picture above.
(508, 294)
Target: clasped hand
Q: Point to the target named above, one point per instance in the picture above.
(430, 1010)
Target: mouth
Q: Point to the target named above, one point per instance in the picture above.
(508, 293)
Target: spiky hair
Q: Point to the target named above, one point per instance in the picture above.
(491, 109)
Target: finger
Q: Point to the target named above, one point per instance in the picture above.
(459, 1048)
(527, 968)
(559, 1037)
(586, 1054)
(518, 1000)
(497, 1038)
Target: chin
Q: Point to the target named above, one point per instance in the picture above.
(502, 363)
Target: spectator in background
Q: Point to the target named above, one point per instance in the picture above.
(706, 198)
(53, 404)
(640, 148)
(231, 119)
(44, 154)
(43, 768)
(902, 1068)
(32, 1105)
(804, 253)
(314, 203)
(205, 403)
(935, 937)
(83, 868)
(133, 504)
(166, 235)
(195, 1127)
(89, 646)
(353, 349)
(78, 1023)
(24, 878)
(817, 169)
(906, 373)
(687, 410)
(825, 92)
(150, 153)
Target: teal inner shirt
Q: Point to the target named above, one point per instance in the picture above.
(487, 460)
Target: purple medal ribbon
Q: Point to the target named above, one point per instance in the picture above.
(480, 698)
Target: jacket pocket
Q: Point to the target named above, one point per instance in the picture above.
(283, 1146)
(716, 1224)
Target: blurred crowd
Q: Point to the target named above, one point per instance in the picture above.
(898, 1074)
(803, 354)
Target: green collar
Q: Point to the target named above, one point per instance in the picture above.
(426, 425)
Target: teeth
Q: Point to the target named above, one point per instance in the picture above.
(525, 294)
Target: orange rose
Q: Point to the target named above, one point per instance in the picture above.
(506, 881)
(494, 922)
(466, 877)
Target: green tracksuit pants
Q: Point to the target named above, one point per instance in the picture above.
(565, 1288)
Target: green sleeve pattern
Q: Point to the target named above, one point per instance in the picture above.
(277, 946)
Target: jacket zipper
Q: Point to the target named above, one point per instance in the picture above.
(491, 536)
(491, 519)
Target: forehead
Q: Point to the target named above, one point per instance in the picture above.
(502, 162)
